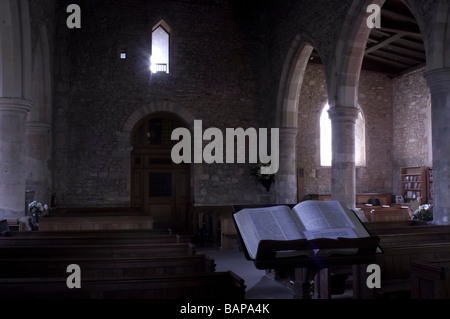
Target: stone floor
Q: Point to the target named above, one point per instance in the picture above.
(259, 284)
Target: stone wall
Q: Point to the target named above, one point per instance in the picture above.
(317, 22)
(226, 63)
(212, 78)
(411, 124)
(375, 99)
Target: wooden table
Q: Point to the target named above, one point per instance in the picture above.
(385, 214)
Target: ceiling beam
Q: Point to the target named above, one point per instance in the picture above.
(384, 42)
(394, 64)
(394, 56)
(395, 48)
(398, 16)
(404, 32)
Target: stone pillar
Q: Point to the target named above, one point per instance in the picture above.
(439, 83)
(286, 178)
(13, 115)
(343, 180)
(38, 157)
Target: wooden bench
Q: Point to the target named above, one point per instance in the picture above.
(67, 241)
(92, 222)
(401, 242)
(401, 227)
(88, 233)
(418, 238)
(430, 279)
(95, 267)
(217, 285)
(103, 251)
(385, 214)
(384, 198)
(95, 210)
(396, 260)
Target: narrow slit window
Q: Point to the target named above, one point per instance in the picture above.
(159, 61)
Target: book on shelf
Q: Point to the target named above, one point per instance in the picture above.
(307, 221)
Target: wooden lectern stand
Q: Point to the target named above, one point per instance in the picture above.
(306, 268)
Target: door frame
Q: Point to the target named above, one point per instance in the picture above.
(156, 158)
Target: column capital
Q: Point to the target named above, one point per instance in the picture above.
(288, 132)
(15, 105)
(438, 79)
(38, 127)
(343, 114)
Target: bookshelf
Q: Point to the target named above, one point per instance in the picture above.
(415, 184)
(430, 186)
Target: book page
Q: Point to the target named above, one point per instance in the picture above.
(268, 223)
(332, 233)
(316, 215)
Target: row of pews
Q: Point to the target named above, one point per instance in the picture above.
(405, 243)
(407, 247)
(114, 264)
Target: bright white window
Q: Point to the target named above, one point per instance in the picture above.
(159, 61)
(326, 139)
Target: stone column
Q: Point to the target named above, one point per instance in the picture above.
(38, 156)
(439, 83)
(286, 179)
(13, 114)
(343, 180)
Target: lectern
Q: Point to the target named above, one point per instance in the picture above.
(306, 267)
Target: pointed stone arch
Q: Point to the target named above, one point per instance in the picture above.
(15, 46)
(39, 124)
(291, 81)
(15, 103)
(287, 115)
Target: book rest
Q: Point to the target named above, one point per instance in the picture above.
(307, 265)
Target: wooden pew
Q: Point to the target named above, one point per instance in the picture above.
(217, 285)
(401, 242)
(430, 279)
(379, 228)
(95, 210)
(440, 236)
(86, 240)
(396, 260)
(103, 251)
(89, 233)
(95, 267)
(95, 222)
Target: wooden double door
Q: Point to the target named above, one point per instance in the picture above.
(161, 189)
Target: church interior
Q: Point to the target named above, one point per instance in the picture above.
(351, 99)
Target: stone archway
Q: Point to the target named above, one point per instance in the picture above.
(39, 124)
(15, 103)
(287, 118)
(343, 84)
(152, 164)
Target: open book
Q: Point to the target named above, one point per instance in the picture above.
(308, 220)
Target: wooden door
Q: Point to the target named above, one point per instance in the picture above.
(162, 193)
(166, 196)
(160, 187)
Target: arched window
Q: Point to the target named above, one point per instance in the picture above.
(159, 60)
(326, 139)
